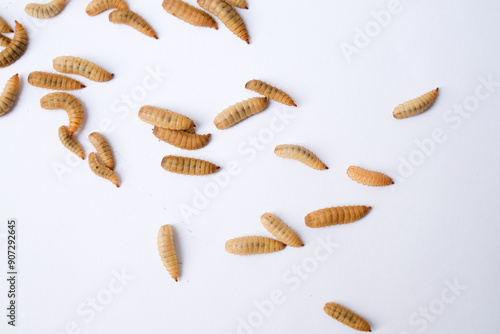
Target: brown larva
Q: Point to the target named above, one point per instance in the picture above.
(336, 215)
(240, 111)
(280, 230)
(253, 245)
(301, 154)
(9, 94)
(368, 178)
(166, 248)
(4, 27)
(238, 3)
(53, 81)
(228, 15)
(103, 149)
(416, 106)
(4, 41)
(69, 142)
(101, 170)
(75, 65)
(164, 118)
(44, 11)
(188, 166)
(128, 17)
(269, 91)
(16, 48)
(181, 139)
(98, 6)
(347, 317)
(189, 14)
(67, 102)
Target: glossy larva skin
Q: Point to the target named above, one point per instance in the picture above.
(101, 170)
(368, 178)
(189, 14)
(166, 248)
(301, 154)
(53, 81)
(228, 15)
(98, 6)
(336, 215)
(253, 245)
(280, 230)
(103, 149)
(416, 106)
(188, 166)
(238, 3)
(4, 41)
(79, 66)
(4, 27)
(45, 11)
(9, 94)
(181, 139)
(270, 92)
(70, 143)
(239, 112)
(67, 102)
(132, 19)
(16, 48)
(164, 118)
(347, 317)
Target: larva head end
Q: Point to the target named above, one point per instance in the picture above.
(176, 279)
(117, 185)
(294, 104)
(155, 37)
(437, 89)
(326, 167)
(17, 75)
(217, 167)
(82, 86)
(248, 41)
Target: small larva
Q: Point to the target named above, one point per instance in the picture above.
(416, 106)
(189, 14)
(53, 81)
(69, 142)
(301, 154)
(368, 178)
(4, 27)
(269, 91)
(128, 17)
(336, 215)
(75, 65)
(4, 41)
(45, 11)
(253, 245)
(164, 118)
(188, 166)
(280, 230)
(101, 170)
(240, 111)
(16, 48)
(238, 3)
(103, 149)
(67, 102)
(181, 139)
(166, 248)
(99, 6)
(9, 94)
(347, 317)
(228, 15)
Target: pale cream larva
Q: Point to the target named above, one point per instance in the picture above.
(4, 41)
(67, 102)
(189, 14)
(416, 106)
(301, 154)
(103, 149)
(253, 245)
(239, 112)
(228, 15)
(347, 317)
(280, 230)
(70, 142)
(166, 248)
(132, 19)
(9, 94)
(75, 65)
(16, 48)
(101, 170)
(45, 11)
(98, 6)
(368, 177)
(4, 27)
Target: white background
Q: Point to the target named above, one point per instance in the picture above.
(440, 223)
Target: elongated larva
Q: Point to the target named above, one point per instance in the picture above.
(67, 102)
(228, 15)
(253, 245)
(181, 139)
(336, 215)
(270, 92)
(103, 149)
(188, 166)
(347, 317)
(98, 6)
(53, 81)
(416, 106)
(4, 41)
(301, 154)
(238, 3)
(75, 65)
(240, 111)
(164, 118)
(189, 14)
(128, 17)
(9, 94)
(4, 27)
(45, 11)
(368, 178)
(166, 247)
(101, 170)
(16, 48)
(280, 230)
(69, 142)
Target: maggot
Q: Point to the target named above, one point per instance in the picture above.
(253, 245)
(53, 81)
(44, 11)
(368, 178)
(9, 94)
(270, 92)
(103, 149)
(67, 102)
(347, 317)
(4, 27)
(238, 3)
(166, 248)
(98, 6)
(189, 14)
(4, 41)
(75, 65)
(164, 118)
(101, 170)
(301, 154)
(280, 230)
(16, 48)
(70, 143)
(240, 111)
(336, 215)
(181, 139)
(188, 166)
(416, 106)
(128, 17)
(228, 15)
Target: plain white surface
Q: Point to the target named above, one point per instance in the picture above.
(438, 225)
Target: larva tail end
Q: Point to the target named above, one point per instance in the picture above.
(155, 37)
(82, 86)
(217, 167)
(17, 75)
(294, 104)
(326, 167)
(248, 41)
(112, 76)
(437, 89)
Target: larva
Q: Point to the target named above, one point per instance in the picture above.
(98, 6)
(165, 118)
(416, 106)
(45, 11)
(9, 94)
(67, 102)
(189, 14)
(228, 15)
(166, 248)
(253, 245)
(128, 17)
(181, 139)
(69, 142)
(240, 111)
(301, 154)
(101, 170)
(16, 48)
(368, 178)
(103, 149)
(280, 230)
(347, 317)
(270, 92)
(336, 215)
(53, 81)
(4, 27)
(188, 166)
(75, 65)
(238, 3)
(4, 41)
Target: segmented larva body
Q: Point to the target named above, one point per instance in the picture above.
(103, 149)
(9, 94)
(166, 248)
(70, 143)
(75, 65)
(53, 81)
(416, 106)
(4, 27)
(347, 317)
(189, 14)
(128, 17)
(336, 215)
(164, 118)
(253, 245)
(181, 139)
(280, 230)
(67, 102)
(4, 41)
(101, 170)
(188, 166)
(16, 48)
(98, 6)
(301, 154)
(269, 91)
(228, 15)
(368, 178)
(240, 111)
(44, 11)
(238, 3)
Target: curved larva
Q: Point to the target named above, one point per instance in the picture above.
(336, 215)
(347, 317)
(280, 230)
(16, 48)
(189, 14)
(103, 149)
(53, 81)
(98, 6)
(70, 143)
(240, 111)
(67, 102)
(9, 94)
(228, 15)
(181, 138)
(128, 17)
(166, 248)
(253, 245)
(164, 118)
(301, 154)
(4, 27)
(188, 166)
(44, 11)
(238, 3)
(101, 170)
(4, 41)
(75, 65)
(368, 178)
(269, 91)
(416, 106)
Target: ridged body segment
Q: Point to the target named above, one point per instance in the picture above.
(336, 215)
(67, 102)
(4, 41)
(270, 92)
(189, 14)
(164, 118)
(16, 48)
(228, 15)
(132, 19)
(253, 245)
(368, 178)
(301, 154)
(4, 27)
(347, 317)
(98, 6)
(9, 94)
(101, 170)
(240, 111)
(53, 81)
(181, 139)
(166, 248)
(45, 11)
(280, 230)
(70, 143)
(103, 149)
(188, 166)
(416, 106)
(238, 3)
(79, 66)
